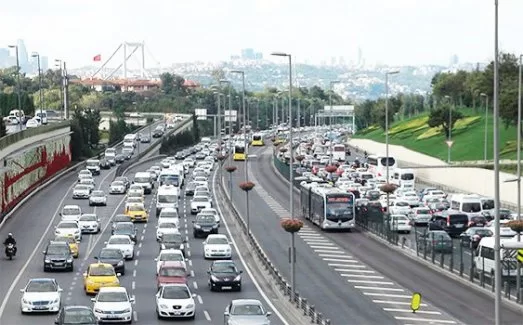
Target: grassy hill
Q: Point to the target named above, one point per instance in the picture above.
(468, 136)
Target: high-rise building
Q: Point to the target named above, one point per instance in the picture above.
(44, 63)
(258, 56)
(248, 54)
(4, 58)
(23, 57)
(454, 60)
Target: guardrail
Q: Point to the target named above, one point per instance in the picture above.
(301, 303)
(10, 139)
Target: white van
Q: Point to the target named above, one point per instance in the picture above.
(484, 258)
(404, 178)
(144, 180)
(19, 114)
(167, 197)
(42, 115)
(130, 140)
(169, 177)
(469, 204)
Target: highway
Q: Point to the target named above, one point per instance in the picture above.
(139, 279)
(380, 291)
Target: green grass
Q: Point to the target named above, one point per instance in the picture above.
(468, 136)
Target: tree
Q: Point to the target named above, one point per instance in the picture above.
(440, 118)
(3, 130)
(195, 129)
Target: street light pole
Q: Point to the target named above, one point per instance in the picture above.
(485, 149)
(37, 56)
(18, 90)
(387, 74)
(292, 250)
(244, 123)
(330, 115)
(449, 138)
(518, 275)
(59, 63)
(228, 83)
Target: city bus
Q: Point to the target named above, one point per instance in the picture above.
(257, 140)
(378, 165)
(327, 207)
(240, 152)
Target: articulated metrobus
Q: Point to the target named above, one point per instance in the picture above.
(327, 207)
(257, 140)
(240, 152)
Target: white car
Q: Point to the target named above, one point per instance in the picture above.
(114, 305)
(420, 215)
(166, 227)
(41, 295)
(411, 197)
(400, 207)
(117, 187)
(170, 213)
(98, 198)
(88, 182)
(400, 223)
(81, 191)
(217, 246)
(71, 213)
(200, 202)
(189, 162)
(84, 173)
(175, 301)
(136, 190)
(68, 229)
(123, 243)
(214, 212)
(89, 223)
(32, 123)
(167, 255)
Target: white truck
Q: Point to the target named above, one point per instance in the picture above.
(167, 197)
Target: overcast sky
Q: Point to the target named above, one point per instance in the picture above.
(394, 32)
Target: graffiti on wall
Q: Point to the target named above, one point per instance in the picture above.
(29, 169)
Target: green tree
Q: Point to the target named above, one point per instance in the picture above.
(3, 130)
(440, 117)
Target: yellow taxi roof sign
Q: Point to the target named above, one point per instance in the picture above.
(415, 302)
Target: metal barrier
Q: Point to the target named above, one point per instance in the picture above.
(10, 139)
(301, 303)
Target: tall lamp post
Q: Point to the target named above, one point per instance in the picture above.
(244, 123)
(292, 250)
(58, 64)
(387, 74)
(330, 113)
(449, 138)
(37, 56)
(485, 149)
(18, 90)
(228, 83)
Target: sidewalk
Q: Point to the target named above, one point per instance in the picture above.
(458, 179)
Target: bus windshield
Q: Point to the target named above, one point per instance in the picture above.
(340, 208)
(169, 180)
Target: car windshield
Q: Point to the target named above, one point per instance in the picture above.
(79, 317)
(86, 181)
(124, 227)
(217, 241)
(81, 187)
(171, 257)
(200, 199)
(167, 225)
(97, 193)
(471, 207)
(224, 268)
(71, 211)
(206, 218)
(423, 211)
(172, 238)
(169, 214)
(68, 225)
(41, 286)
(483, 232)
(112, 297)
(167, 198)
(247, 310)
(58, 250)
(202, 193)
(121, 218)
(402, 204)
(101, 271)
(64, 239)
(88, 217)
(142, 179)
(118, 184)
(119, 241)
(441, 235)
(135, 208)
(111, 253)
(172, 271)
(175, 292)
(92, 163)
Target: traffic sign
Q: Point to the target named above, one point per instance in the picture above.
(449, 143)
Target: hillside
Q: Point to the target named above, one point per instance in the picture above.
(468, 136)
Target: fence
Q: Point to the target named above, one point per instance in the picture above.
(10, 139)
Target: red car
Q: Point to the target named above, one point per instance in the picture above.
(171, 272)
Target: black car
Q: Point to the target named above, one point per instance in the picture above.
(157, 133)
(105, 164)
(204, 225)
(145, 139)
(74, 315)
(119, 158)
(224, 275)
(125, 228)
(58, 256)
(200, 156)
(123, 179)
(179, 155)
(114, 257)
(173, 241)
(189, 189)
(473, 235)
(451, 222)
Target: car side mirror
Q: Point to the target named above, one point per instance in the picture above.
(105, 243)
(241, 271)
(56, 321)
(193, 221)
(60, 213)
(132, 300)
(85, 274)
(118, 274)
(43, 252)
(269, 313)
(204, 243)
(208, 272)
(230, 243)
(186, 260)
(93, 299)
(60, 290)
(156, 259)
(226, 314)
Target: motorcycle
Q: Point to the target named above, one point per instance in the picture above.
(10, 251)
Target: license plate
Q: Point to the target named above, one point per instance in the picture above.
(459, 225)
(39, 307)
(177, 312)
(206, 229)
(227, 288)
(59, 264)
(112, 316)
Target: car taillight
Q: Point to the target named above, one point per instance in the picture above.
(471, 223)
(448, 221)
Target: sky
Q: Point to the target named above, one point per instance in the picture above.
(392, 32)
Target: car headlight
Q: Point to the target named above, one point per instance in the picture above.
(228, 250)
(69, 260)
(207, 249)
(127, 310)
(163, 306)
(214, 278)
(189, 306)
(25, 301)
(47, 261)
(96, 310)
(120, 263)
(238, 278)
(197, 226)
(55, 301)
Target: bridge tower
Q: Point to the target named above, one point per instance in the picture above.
(127, 49)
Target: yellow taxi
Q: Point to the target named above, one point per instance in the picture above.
(73, 244)
(100, 275)
(137, 212)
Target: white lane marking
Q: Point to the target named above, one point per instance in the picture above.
(386, 295)
(327, 248)
(372, 282)
(318, 242)
(200, 300)
(353, 270)
(390, 302)
(190, 262)
(189, 253)
(145, 225)
(428, 312)
(346, 265)
(379, 288)
(133, 285)
(134, 273)
(135, 316)
(135, 262)
(33, 253)
(338, 253)
(195, 285)
(140, 245)
(137, 253)
(207, 316)
(335, 254)
(363, 276)
(246, 267)
(143, 231)
(426, 320)
(73, 283)
(340, 260)
(192, 273)
(141, 238)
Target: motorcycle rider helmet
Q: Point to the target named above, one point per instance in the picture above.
(10, 235)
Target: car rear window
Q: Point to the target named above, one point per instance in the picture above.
(458, 218)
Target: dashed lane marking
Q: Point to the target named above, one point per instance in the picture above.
(410, 311)
(134, 273)
(133, 285)
(207, 316)
(135, 262)
(195, 285)
(200, 300)
(379, 288)
(388, 302)
(135, 316)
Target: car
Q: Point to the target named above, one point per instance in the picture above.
(117, 187)
(166, 227)
(189, 189)
(73, 244)
(125, 228)
(400, 223)
(105, 163)
(123, 243)
(89, 223)
(157, 133)
(98, 198)
(400, 207)
(411, 197)
(137, 212)
(88, 182)
(421, 215)
(204, 193)
(246, 311)
(173, 241)
(58, 256)
(189, 162)
(120, 218)
(204, 225)
(123, 179)
(213, 212)
(170, 213)
(114, 305)
(171, 272)
(84, 173)
(81, 191)
(71, 213)
(119, 158)
(100, 275)
(473, 235)
(200, 202)
(224, 275)
(127, 152)
(175, 301)
(131, 200)
(114, 257)
(166, 255)
(435, 240)
(217, 246)
(75, 315)
(136, 190)
(69, 228)
(41, 295)
(145, 139)
(93, 165)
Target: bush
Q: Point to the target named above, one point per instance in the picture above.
(291, 225)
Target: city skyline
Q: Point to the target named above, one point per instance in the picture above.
(402, 32)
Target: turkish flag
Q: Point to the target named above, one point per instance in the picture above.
(97, 58)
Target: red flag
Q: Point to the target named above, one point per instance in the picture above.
(97, 58)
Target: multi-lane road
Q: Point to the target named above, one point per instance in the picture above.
(33, 225)
(350, 276)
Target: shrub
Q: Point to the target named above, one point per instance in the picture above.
(291, 225)
(247, 186)
(515, 225)
(230, 169)
(388, 188)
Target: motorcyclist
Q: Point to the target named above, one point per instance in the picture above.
(10, 240)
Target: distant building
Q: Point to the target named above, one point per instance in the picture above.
(44, 63)
(4, 58)
(122, 84)
(248, 54)
(258, 56)
(23, 57)
(454, 60)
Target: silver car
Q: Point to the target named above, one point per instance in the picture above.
(81, 191)
(246, 312)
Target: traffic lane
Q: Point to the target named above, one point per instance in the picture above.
(454, 297)
(324, 288)
(71, 282)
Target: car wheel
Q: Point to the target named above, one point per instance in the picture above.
(71, 269)
(45, 269)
